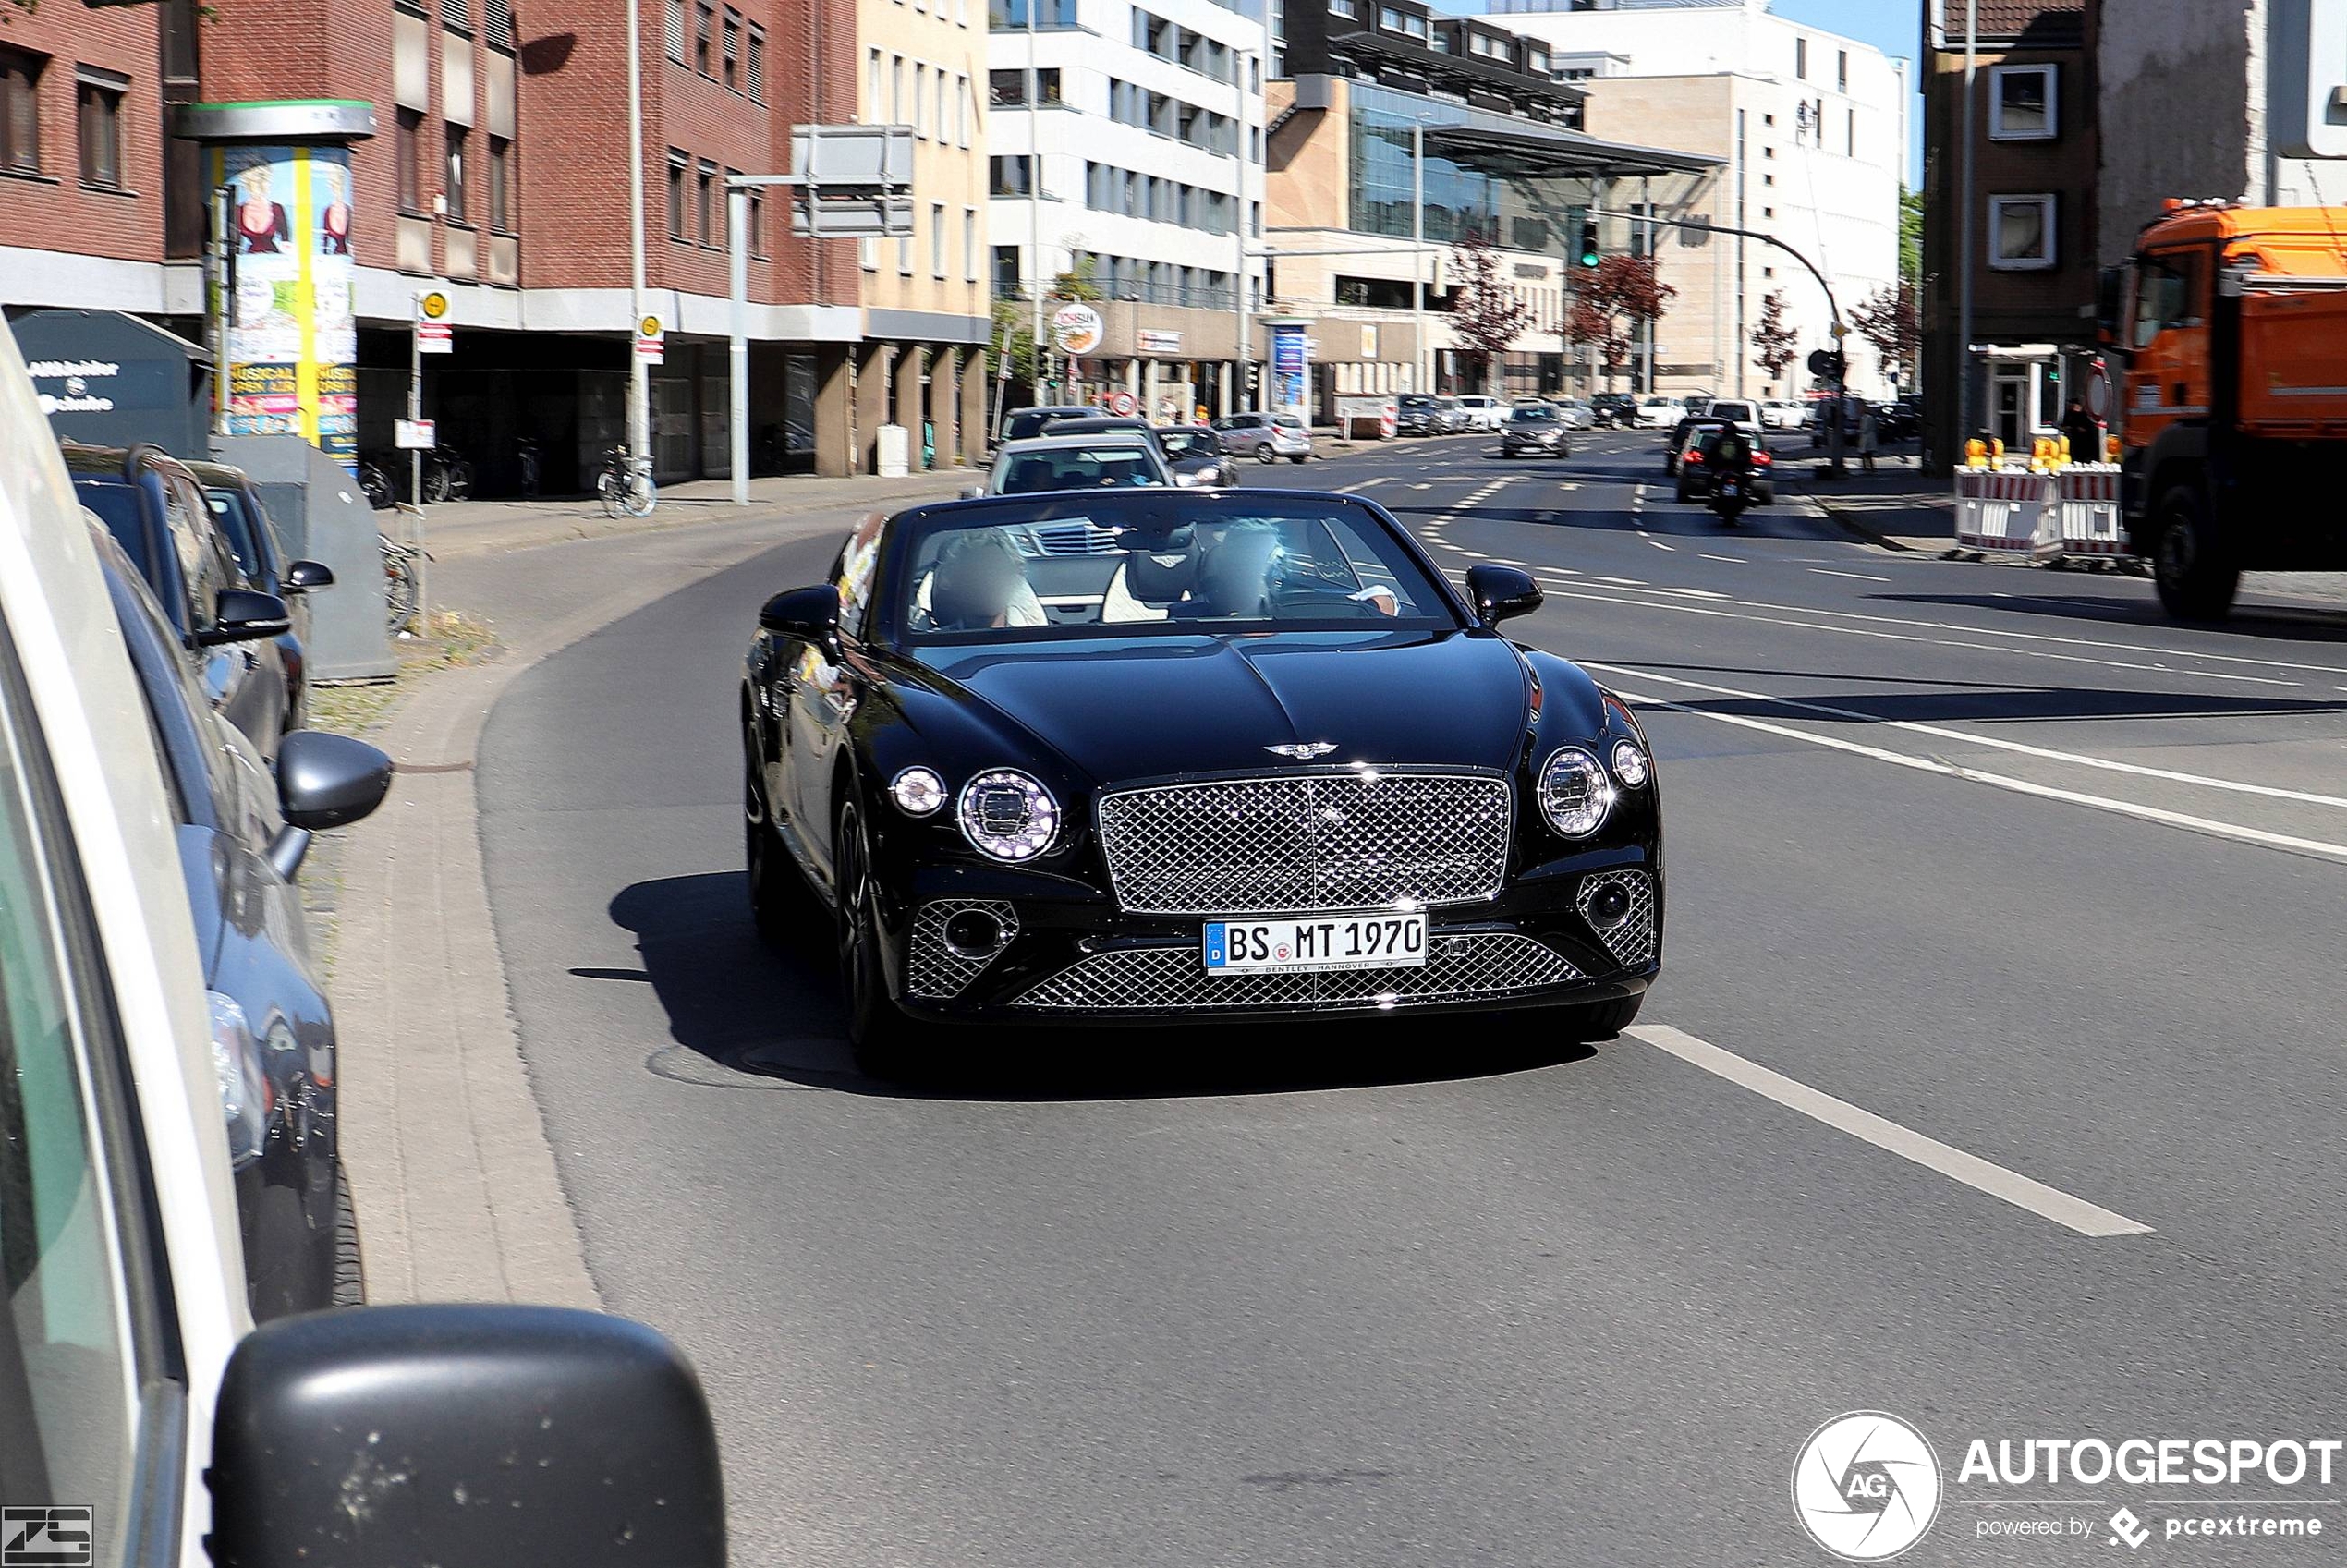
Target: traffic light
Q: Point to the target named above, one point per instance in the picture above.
(1589, 257)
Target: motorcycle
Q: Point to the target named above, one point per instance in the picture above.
(1728, 487)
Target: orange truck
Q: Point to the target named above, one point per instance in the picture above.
(2231, 324)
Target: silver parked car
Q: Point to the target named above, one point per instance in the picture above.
(1105, 459)
(1266, 437)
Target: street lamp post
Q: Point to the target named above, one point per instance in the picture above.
(1239, 353)
(1035, 195)
(1417, 254)
(1962, 355)
(639, 416)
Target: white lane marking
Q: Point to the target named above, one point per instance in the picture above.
(1657, 543)
(1981, 1175)
(1901, 637)
(1421, 486)
(1731, 560)
(1996, 743)
(2019, 786)
(1372, 484)
(1695, 592)
(1862, 576)
(1621, 582)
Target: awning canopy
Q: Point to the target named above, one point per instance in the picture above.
(1530, 150)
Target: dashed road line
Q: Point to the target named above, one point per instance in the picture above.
(1862, 576)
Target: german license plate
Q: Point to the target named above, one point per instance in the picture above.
(1326, 941)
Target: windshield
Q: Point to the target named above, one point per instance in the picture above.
(1027, 424)
(1535, 414)
(1188, 443)
(236, 521)
(1078, 468)
(1125, 566)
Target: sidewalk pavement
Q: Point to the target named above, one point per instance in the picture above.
(1898, 506)
(456, 528)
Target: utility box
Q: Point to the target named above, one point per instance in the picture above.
(894, 452)
(112, 380)
(322, 515)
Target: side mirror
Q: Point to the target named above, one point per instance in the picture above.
(467, 1437)
(303, 576)
(324, 780)
(1500, 593)
(241, 614)
(807, 614)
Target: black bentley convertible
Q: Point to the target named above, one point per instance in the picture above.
(1164, 755)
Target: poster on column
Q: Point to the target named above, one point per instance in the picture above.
(291, 335)
(1291, 367)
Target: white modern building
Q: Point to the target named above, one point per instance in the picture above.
(1129, 135)
(1812, 129)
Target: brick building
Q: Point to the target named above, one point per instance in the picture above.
(2034, 151)
(495, 171)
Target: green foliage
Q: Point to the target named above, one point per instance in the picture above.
(1911, 237)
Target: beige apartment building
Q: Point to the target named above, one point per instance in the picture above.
(927, 301)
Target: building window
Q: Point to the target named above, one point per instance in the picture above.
(1006, 270)
(504, 194)
(758, 223)
(454, 138)
(1842, 71)
(98, 105)
(969, 244)
(705, 200)
(897, 115)
(904, 255)
(2022, 104)
(1007, 176)
(920, 101)
(2021, 232)
(1346, 8)
(732, 51)
(677, 165)
(408, 137)
(704, 45)
(673, 27)
(754, 72)
(1535, 59)
(1801, 58)
(937, 239)
(21, 112)
(868, 254)
(1404, 22)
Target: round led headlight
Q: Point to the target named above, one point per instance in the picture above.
(918, 792)
(1008, 815)
(1629, 764)
(1576, 795)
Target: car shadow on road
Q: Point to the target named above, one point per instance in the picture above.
(750, 1016)
(2290, 623)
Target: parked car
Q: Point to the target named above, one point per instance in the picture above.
(1425, 413)
(1534, 429)
(1152, 801)
(155, 507)
(1482, 412)
(1108, 460)
(1899, 419)
(1701, 449)
(261, 554)
(1820, 420)
(1613, 410)
(1778, 414)
(1025, 424)
(1266, 437)
(144, 1412)
(1736, 411)
(1661, 413)
(1196, 455)
(1675, 445)
(242, 835)
(1576, 414)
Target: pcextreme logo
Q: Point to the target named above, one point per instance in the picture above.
(1865, 1486)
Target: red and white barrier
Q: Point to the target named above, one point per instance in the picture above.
(2009, 511)
(2089, 523)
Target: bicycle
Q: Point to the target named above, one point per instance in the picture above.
(403, 585)
(624, 486)
(447, 475)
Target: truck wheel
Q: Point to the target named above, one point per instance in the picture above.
(2195, 573)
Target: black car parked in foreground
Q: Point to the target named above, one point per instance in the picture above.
(261, 556)
(1249, 753)
(241, 836)
(155, 508)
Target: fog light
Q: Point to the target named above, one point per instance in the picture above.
(1608, 906)
(974, 933)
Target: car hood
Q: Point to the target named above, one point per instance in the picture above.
(1153, 706)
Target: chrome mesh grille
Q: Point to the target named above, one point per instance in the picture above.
(1174, 978)
(1078, 538)
(1632, 941)
(1297, 843)
(933, 968)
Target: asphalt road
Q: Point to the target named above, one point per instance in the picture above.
(1994, 1081)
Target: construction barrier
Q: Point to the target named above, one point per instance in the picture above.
(2089, 522)
(2009, 511)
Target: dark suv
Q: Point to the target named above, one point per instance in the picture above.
(156, 509)
(1613, 410)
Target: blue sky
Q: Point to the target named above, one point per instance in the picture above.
(1895, 27)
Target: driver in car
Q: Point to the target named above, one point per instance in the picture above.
(1234, 576)
(978, 578)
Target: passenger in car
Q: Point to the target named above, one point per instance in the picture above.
(979, 580)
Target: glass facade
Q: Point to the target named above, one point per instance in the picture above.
(1465, 194)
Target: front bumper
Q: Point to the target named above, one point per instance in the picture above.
(1079, 959)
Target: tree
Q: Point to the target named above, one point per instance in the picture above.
(1773, 343)
(1609, 303)
(1487, 315)
(1890, 320)
(1911, 237)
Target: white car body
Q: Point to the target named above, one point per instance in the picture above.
(87, 716)
(1482, 413)
(1146, 460)
(1737, 411)
(1661, 413)
(1777, 414)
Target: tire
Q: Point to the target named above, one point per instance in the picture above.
(436, 483)
(2195, 573)
(639, 496)
(1682, 496)
(402, 597)
(1300, 461)
(1598, 1020)
(879, 1034)
(460, 483)
(607, 491)
(779, 901)
(1265, 456)
(351, 1268)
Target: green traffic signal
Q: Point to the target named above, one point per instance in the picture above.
(1589, 257)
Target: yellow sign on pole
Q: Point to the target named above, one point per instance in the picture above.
(431, 306)
(648, 327)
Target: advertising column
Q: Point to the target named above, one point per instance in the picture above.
(289, 334)
(1291, 369)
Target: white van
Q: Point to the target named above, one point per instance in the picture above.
(1482, 413)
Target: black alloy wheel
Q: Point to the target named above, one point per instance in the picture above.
(879, 1034)
(780, 900)
(2194, 574)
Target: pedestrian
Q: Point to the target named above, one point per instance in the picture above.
(1198, 415)
(1870, 436)
(2084, 435)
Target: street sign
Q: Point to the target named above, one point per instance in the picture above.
(1076, 329)
(435, 337)
(1123, 405)
(1157, 342)
(414, 435)
(431, 305)
(651, 341)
